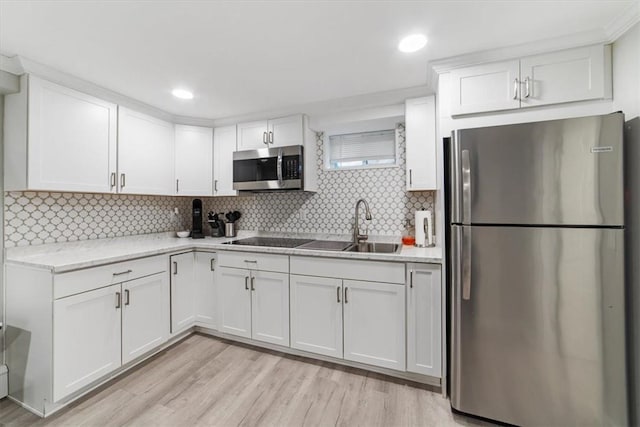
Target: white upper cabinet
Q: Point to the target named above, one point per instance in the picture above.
(420, 142)
(224, 144)
(252, 135)
(487, 87)
(565, 76)
(286, 131)
(145, 154)
(271, 133)
(571, 75)
(59, 139)
(194, 160)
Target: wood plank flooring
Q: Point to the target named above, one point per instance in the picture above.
(205, 381)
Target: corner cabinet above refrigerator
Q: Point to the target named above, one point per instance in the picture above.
(536, 232)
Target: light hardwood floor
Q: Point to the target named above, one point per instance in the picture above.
(207, 381)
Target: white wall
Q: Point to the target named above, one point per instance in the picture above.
(626, 73)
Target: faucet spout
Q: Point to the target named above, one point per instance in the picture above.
(357, 236)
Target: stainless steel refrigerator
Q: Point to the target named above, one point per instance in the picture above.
(537, 272)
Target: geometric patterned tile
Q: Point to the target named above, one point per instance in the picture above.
(34, 218)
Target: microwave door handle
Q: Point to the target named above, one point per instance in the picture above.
(280, 180)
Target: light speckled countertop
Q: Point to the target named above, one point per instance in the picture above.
(61, 257)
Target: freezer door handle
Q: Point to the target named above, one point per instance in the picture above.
(466, 263)
(466, 187)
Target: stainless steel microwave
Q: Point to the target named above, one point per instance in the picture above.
(268, 169)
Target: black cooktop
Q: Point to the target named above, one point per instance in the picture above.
(274, 242)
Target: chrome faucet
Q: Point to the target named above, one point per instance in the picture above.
(357, 237)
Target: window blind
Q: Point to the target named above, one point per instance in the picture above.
(360, 149)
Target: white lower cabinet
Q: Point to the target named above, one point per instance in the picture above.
(374, 323)
(316, 314)
(145, 315)
(234, 303)
(98, 329)
(424, 319)
(355, 320)
(254, 304)
(183, 292)
(86, 337)
(270, 307)
(206, 290)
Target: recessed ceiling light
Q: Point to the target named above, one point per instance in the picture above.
(182, 94)
(412, 43)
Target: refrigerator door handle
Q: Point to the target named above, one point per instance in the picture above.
(466, 263)
(466, 187)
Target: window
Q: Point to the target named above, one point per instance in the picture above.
(362, 150)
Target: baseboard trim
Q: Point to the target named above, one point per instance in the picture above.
(417, 378)
(4, 381)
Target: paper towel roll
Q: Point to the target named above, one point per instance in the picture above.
(424, 229)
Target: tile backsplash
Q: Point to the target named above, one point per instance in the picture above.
(33, 218)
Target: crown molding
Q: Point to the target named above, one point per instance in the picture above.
(517, 51)
(336, 106)
(623, 23)
(11, 64)
(606, 35)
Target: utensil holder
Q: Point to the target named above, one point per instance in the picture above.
(230, 229)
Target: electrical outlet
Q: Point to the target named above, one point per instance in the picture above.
(302, 214)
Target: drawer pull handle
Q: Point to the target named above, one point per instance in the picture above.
(123, 272)
(411, 279)
(253, 282)
(252, 261)
(126, 297)
(175, 268)
(118, 300)
(346, 295)
(338, 293)
(212, 267)
(246, 283)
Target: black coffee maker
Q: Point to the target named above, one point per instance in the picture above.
(196, 213)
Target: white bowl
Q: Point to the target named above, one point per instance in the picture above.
(183, 233)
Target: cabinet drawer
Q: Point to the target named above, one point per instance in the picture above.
(371, 271)
(254, 261)
(75, 282)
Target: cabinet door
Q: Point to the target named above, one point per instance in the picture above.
(252, 135)
(86, 336)
(374, 323)
(424, 320)
(286, 131)
(316, 314)
(145, 315)
(420, 128)
(145, 154)
(72, 140)
(487, 87)
(183, 292)
(234, 301)
(270, 307)
(206, 292)
(194, 160)
(565, 76)
(224, 144)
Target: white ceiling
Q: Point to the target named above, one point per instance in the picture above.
(240, 57)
